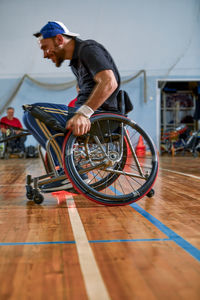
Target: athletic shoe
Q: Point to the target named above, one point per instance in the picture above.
(60, 185)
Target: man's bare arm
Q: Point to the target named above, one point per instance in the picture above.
(3, 130)
(106, 84)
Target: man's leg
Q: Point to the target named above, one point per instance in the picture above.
(21, 141)
(42, 133)
(11, 146)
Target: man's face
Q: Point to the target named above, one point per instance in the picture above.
(52, 50)
(10, 113)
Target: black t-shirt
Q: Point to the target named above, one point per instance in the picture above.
(89, 58)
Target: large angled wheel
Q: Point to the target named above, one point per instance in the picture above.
(114, 164)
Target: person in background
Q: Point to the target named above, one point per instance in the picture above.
(15, 145)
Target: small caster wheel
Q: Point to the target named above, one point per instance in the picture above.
(29, 192)
(150, 193)
(37, 197)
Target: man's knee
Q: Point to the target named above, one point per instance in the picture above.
(25, 117)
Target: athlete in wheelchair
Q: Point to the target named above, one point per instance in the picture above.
(91, 149)
(11, 129)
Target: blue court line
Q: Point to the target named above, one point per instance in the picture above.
(92, 241)
(36, 243)
(170, 233)
(166, 230)
(130, 240)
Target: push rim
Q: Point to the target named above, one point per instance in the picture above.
(120, 182)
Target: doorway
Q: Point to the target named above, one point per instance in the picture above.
(177, 109)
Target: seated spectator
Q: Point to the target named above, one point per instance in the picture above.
(16, 145)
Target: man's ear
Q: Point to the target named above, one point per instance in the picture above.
(59, 39)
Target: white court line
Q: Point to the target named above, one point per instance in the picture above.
(94, 283)
(13, 185)
(180, 173)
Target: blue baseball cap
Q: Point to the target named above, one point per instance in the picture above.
(53, 28)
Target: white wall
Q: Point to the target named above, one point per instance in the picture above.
(141, 34)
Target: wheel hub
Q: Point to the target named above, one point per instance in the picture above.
(113, 156)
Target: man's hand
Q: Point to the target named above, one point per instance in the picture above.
(79, 124)
(3, 130)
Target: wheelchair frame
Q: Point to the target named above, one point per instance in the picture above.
(94, 155)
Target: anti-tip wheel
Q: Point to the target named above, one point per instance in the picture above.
(151, 193)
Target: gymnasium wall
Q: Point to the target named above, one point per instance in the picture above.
(158, 36)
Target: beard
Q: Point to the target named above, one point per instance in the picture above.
(59, 62)
(60, 57)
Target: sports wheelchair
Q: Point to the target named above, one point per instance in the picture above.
(118, 172)
(12, 144)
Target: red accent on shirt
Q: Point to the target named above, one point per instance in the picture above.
(72, 102)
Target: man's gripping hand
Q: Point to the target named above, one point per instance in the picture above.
(79, 124)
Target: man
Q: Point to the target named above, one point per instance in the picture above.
(16, 145)
(97, 77)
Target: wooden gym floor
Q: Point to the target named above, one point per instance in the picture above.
(72, 248)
